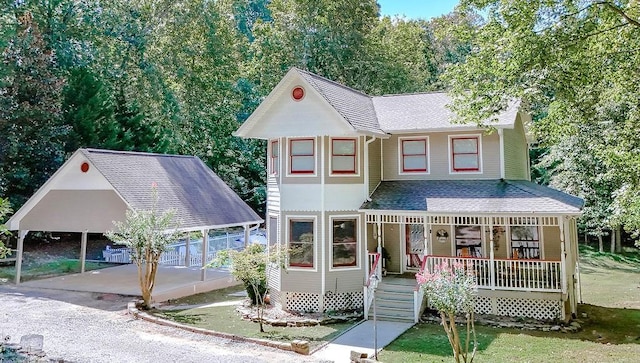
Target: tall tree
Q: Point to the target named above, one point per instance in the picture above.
(30, 113)
(576, 63)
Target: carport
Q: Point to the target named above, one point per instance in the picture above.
(94, 188)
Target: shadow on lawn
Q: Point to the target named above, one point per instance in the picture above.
(601, 325)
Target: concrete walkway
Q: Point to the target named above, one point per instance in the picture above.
(361, 339)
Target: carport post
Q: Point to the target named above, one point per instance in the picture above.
(21, 235)
(205, 249)
(187, 252)
(83, 251)
(246, 235)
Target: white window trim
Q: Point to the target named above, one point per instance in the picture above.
(450, 147)
(276, 168)
(358, 243)
(400, 155)
(315, 158)
(315, 242)
(357, 164)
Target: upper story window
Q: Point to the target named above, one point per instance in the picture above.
(343, 156)
(274, 158)
(302, 156)
(301, 242)
(465, 153)
(414, 155)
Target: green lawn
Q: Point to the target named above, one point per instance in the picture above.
(226, 319)
(611, 328)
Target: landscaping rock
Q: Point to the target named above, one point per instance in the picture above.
(300, 347)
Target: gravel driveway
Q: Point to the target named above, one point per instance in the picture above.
(90, 327)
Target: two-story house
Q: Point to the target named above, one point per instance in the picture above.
(350, 176)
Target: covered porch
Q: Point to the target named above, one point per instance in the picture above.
(519, 239)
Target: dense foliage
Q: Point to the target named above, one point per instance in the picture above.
(181, 76)
(577, 64)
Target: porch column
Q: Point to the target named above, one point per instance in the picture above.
(426, 233)
(205, 249)
(83, 251)
(187, 252)
(563, 255)
(21, 235)
(492, 266)
(246, 235)
(379, 235)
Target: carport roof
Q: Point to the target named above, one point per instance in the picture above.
(185, 184)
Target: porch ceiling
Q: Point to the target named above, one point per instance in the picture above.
(469, 197)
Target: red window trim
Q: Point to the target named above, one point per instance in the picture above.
(291, 156)
(272, 161)
(355, 153)
(426, 168)
(477, 153)
(311, 265)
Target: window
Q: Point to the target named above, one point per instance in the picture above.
(301, 242)
(343, 156)
(468, 241)
(274, 159)
(273, 231)
(525, 242)
(465, 153)
(414, 155)
(302, 158)
(345, 242)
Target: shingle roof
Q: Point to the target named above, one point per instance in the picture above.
(355, 106)
(184, 183)
(471, 196)
(427, 111)
(404, 112)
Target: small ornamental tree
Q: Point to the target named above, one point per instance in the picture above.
(250, 267)
(451, 291)
(146, 233)
(4, 210)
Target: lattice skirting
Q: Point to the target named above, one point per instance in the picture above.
(301, 301)
(342, 301)
(530, 308)
(483, 305)
(517, 307)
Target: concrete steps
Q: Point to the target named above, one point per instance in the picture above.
(394, 300)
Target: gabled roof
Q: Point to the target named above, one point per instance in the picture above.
(428, 112)
(472, 197)
(355, 106)
(184, 183)
(379, 115)
(90, 197)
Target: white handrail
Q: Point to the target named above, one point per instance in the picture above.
(524, 275)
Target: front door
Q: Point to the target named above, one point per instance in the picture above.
(414, 246)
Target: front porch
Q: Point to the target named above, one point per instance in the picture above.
(524, 265)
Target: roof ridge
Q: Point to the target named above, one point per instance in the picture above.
(139, 153)
(340, 85)
(413, 94)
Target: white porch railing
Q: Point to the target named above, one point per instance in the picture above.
(521, 275)
(374, 275)
(177, 253)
